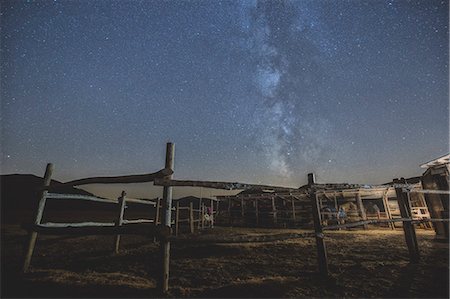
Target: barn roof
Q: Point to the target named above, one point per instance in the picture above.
(437, 162)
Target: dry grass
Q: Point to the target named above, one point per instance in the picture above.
(362, 264)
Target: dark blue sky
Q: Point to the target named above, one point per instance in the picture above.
(259, 92)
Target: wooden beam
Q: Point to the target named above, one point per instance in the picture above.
(127, 179)
(38, 218)
(218, 185)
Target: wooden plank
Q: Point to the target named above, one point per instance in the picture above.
(60, 196)
(38, 218)
(126, 179)
(443, 192)
(408, 228)
(141, 201)
(378, 221)
(137, 221)
(145, 229)
(167, 219)
(320, 243)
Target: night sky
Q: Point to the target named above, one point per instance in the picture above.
(257, 92)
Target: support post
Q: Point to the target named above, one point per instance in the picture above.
(362, 212)
(157, 213)
(321, 249)
(119, 221)
(191, 217)
(199, 213)
(293, 208)
(387, 209)
(256, 212)
(167, 219)
(274, 211)
(202, 220)
(177, 218)
(211, 216)
(242, 207)
(38, 218)
(404, 205)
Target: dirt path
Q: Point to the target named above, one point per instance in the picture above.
(216, 263)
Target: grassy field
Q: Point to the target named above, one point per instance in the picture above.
(207, 264)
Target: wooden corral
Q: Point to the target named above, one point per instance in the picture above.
(194, 213)
(338, 203)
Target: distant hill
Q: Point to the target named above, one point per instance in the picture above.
(21, 191)
(20, 195)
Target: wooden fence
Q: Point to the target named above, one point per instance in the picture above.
(147, 227)
(403, 197)
(160, 226)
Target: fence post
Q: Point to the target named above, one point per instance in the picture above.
(202, 220)
(177, 218)
(387, 209)
(157, 210)
(119, 221)
(167, 219)
(191, 217)
(256, 212)
(321, 249)
(293, 208)
(38, 218)
(362, 212)
(404, 205)
(212, 213)
(274, 211)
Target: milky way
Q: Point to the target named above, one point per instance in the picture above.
(286, 40)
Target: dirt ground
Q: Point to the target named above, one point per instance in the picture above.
(211, 263)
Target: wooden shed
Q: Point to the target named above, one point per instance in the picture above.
(436, 177)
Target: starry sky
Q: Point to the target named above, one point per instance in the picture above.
(250, 91)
